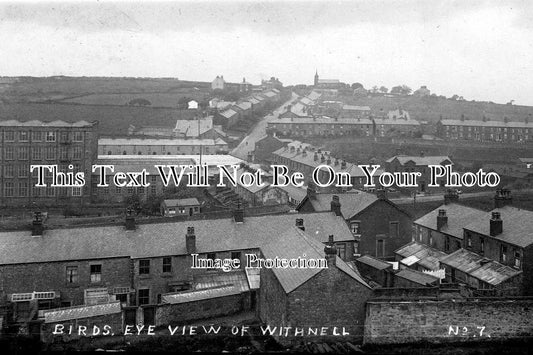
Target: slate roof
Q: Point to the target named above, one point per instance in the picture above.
(417, 277)
(38, 123)
(517, 226)
(352, 203)
(181, 202)
(420, 160)
(189, 128)
(217, 279)
(480, 123)
(154, 141)
(314, 95)
(373, 262)
(304, 119)
(355, 108)
(79, 312)
(162, 239)
(403, 122)
(424, 255)
(245, 105)
(458, 217)
(481, 268)
(228, 113)
(295, 243)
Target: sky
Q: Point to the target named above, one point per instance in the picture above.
(481, 50)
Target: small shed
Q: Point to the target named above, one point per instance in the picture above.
(180, 207)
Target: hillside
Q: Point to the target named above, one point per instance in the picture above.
(432, 108)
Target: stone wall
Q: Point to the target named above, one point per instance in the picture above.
(447, 321)
(104, 325)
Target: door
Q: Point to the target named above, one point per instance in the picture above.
(149, 315)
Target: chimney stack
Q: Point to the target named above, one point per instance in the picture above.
(300, 223)
(496, 224)
(336, 205)
(450, 196)
(502, 198)
(238, 214)
(130, 220)
(311, 190)
(331, 252)
(37, 227)
(190, 241)
(382, 194)
(442, 219)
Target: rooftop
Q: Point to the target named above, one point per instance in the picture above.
(355, 108)
(153, 141)
(481, 268)
(212, 235)
(374, 262)
(78, 312)
(458, 217)
(182, 202)
(421, 160)
(417, 277)
(352, 203)
(304, 119)
(480, 123)
(417, 253)
(295, 243)
(38, 123)
(193, 128)
(517, 225)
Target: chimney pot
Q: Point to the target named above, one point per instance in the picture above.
(130, 220)
(238, 214)
(300, 223)
(331, 252)
(496, 224)
(190, 241)
(37, 225)
(336, 205)
(442, 219)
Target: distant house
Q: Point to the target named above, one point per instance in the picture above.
(192, 105)
(245, 86)
(180, 207)
(405, 163)
(218, 83)
(422, 92)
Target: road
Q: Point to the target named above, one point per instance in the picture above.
(439, 197)
(258, 131)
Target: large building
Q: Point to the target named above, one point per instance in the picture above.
(70, 146)
(485, 130)
(160, 146)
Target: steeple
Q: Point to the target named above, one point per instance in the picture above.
(316, 77)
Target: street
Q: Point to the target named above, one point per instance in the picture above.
(258, 131)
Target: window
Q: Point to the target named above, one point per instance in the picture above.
(24, 171)
(140, 190)
(9, 171)
(517, 259)
(236, 255)
(23, 153)
(129, 190)
(9, 136)
(167, 264)
(394, 229)
(153, 179)
(144, 296)
(468, 241)
(380, 247)
(457, 244)
(63, 153)
(503, 253)
(8, 189)
(144, 267)
(8, 153)
(447, 243)
(36, 136)
(481, 245)
(355, 227)
(76, 191)
(50, 153)
(430, 238)
(50, 136)
(64, 136)
(341, 250)
(72, 274)
(78, 136)
(76, 154)
(153, 190)
(211, 256)
(23, 136)
(118, 190)
(36, 153)
(23, 189)
(96, 273)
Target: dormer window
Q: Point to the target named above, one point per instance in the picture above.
(517, 260)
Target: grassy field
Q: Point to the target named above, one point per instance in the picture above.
(432, 108)
(114, 120)
(157, 99)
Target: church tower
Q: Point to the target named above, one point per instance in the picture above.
(316, 78)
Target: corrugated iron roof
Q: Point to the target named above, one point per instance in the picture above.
(79, 312)
(198, 295)
(428, 257)
(373, 262)
(417, 277)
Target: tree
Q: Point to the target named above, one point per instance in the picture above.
(383, 89)
(454, 97)
(406, 90)
(357, 86)
(374, 89)
(397, 90)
